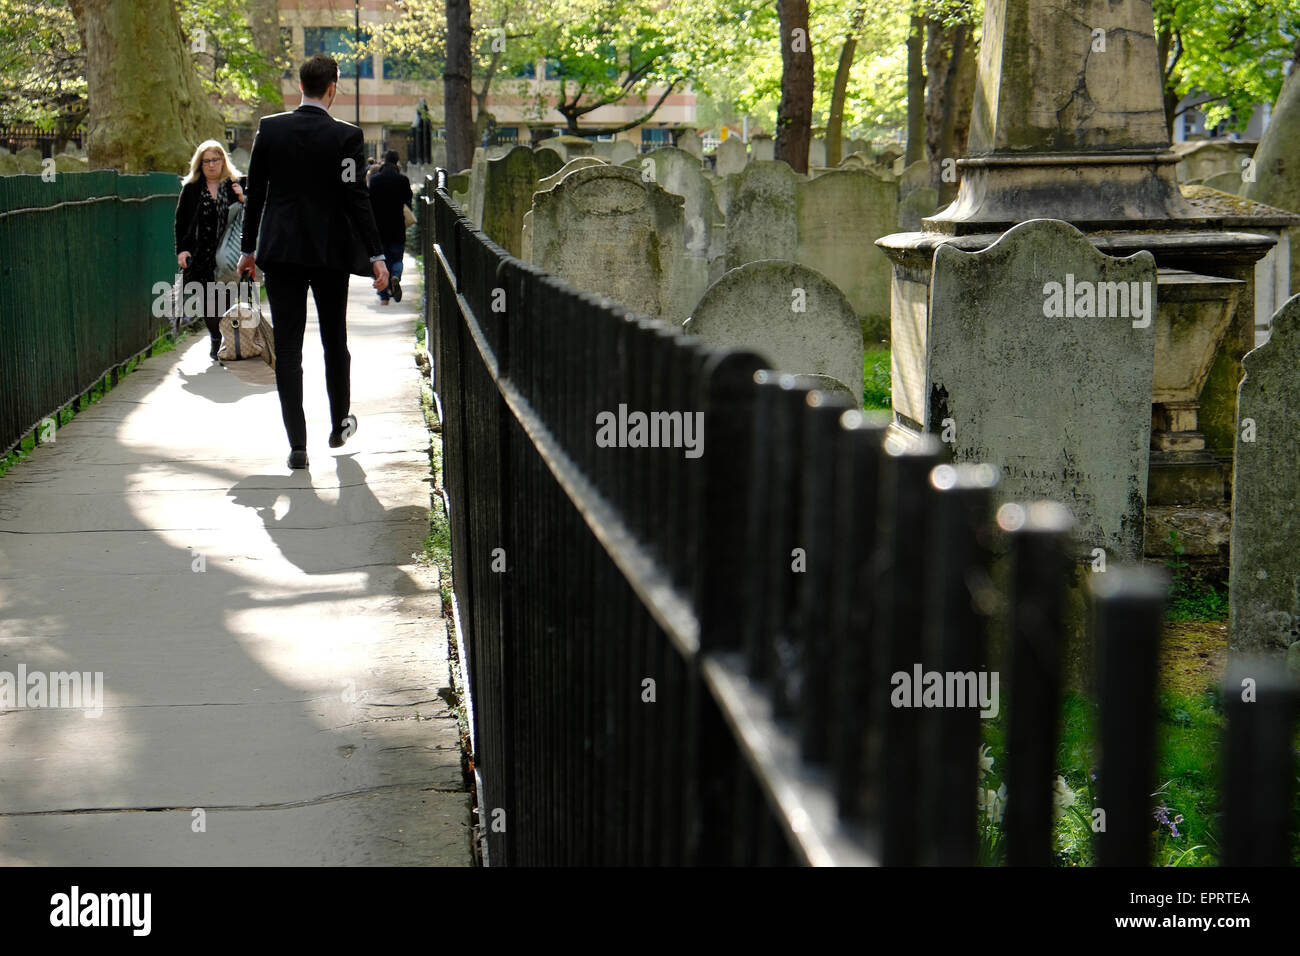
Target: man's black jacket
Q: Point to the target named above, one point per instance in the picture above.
(307, 199)
(389, 192)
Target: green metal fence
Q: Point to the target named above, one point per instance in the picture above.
(79, 259)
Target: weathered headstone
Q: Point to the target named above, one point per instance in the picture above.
(64, 163)
(730, 157)
(606, 231)
(1264, 584)
(622, 151)
(1200, 161)
(839, 217)
(817, 154)
(8, 163)
(915, 175)
(857, 161)
(458, 186)
(790, 314)
(240, 158)
(477, 186)
(567, 146)
(438, 153)
(689, 142)
(761, 215)
(915, 206)
(602, 150)
(581, 162)
(29, 160)
(829, 223)
(762, 147)
(1039, 359)
(826, 383)
(509, 184)
(1228, 182)
(526, 237)
(704, 239)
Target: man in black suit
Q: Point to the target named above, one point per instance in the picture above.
(389, 192)
(309, 219)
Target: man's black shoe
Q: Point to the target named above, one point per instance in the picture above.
(298, 458)
(346, 430)
(395, 290)
(216, 347)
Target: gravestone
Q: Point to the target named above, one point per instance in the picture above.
(606, 231)
(826, 383)
(458, 186)
(438, 154)
(792, 315)
(64, 163)
(917, 205)
(559, 154)
(29, 160)
(1200, 161)
(602, 150)
(857, 161)
(623, 151)
(508, 187)
(730, 157)
(1055, 394)
(477, 186)
(1264, 584)
(762, 147)
(761, 215)
(829, 223)
(817, 154)
(915, 175)
(1228, 182)
(839, 217)
(551, 181)
(689, 142)
(704, 239)
(8, 163)
(240, 158)
(526, 237)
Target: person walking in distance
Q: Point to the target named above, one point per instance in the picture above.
(389, 192)
(308, 224)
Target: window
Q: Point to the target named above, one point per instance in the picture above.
(337, 42)
(652, 138)
(554, 69)
(526, 71)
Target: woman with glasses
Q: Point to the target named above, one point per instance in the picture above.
(207, 191)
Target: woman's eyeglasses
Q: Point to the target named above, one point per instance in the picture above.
(212, 162)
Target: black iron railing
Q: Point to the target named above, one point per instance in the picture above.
(680, 658)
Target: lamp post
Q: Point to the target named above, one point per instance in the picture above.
(356, 39)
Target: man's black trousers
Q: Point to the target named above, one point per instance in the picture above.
(286, 290)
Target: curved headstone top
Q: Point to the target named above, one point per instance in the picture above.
(579, 162)
(791, 314)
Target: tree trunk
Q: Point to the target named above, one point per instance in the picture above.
(839, 92)
(794, 115)
(148, 110)
(458, 93)
(264, 21)
(916, 91)
(950, 65)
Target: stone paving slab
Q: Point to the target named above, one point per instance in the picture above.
(269, 651)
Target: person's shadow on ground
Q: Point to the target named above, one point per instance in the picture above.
(311, 533)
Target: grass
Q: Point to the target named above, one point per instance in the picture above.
(27, 445)
(875, 379)
(1184, 802)
(1191, 599)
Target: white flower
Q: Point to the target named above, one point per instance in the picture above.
(986, 762)
(1065, 797)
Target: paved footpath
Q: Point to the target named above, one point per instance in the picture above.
(274, 663)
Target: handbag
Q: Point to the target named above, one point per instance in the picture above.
(228, 251)
(408, 216)
(246, 333)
